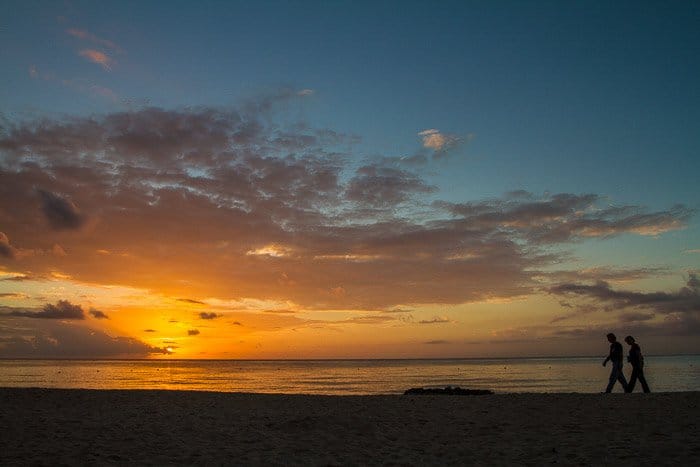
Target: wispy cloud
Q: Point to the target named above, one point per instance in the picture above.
(100, 58)
(685, 300)
(88, 36)
(436, 320)
(191, 301)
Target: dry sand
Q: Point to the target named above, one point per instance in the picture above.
(82, 427)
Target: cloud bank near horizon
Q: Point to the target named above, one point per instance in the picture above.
(239, 203)
(243, 206)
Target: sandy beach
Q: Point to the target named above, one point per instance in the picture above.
(87, 427)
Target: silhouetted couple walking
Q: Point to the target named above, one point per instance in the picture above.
(635, 358)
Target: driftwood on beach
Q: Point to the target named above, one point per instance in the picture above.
(449, 390)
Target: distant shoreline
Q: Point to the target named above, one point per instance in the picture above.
(165, 359)
(168, 427)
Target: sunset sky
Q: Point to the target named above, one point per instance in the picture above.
(298, 179)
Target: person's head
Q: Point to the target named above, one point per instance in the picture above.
(612, 338)
(629, 340)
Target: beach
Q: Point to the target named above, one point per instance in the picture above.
(149, 427)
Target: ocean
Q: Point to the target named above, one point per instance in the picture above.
(347, 377)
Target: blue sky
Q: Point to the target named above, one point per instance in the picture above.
(577, 96)
(547, 97)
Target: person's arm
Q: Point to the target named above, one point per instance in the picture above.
(608, 357)
(635, 353)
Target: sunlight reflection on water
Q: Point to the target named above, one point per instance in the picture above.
(344, 377)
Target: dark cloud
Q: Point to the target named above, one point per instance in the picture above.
(205, 315)
(189, 300)
(63, 340)
(21, 278)
(193, 332)
(97, 314)
(383, 187)
(687, 299)
(149, 330)
(60, 212)
(633, 317)
(565, 217)
(6, 250)
(63, 309)
(237, 323)
(436, 320)
(605, 274)
(437, 342)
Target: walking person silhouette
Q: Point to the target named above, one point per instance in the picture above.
(637, 361)
(615, 357)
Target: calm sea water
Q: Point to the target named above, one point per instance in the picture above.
(345, 377)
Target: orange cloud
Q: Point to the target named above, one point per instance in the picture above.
(100, 58)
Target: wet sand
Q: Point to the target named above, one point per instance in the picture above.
(79, 427)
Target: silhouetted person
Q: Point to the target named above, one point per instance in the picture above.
(615, 357)
(637, 361)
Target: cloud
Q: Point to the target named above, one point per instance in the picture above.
(88, 36)
(191, 301)
(61, 213)
(305, 92)
(6, 250)
(97, 314)
(565, 217)
(685, 300)
(236, 203)
(100, 58)
(383, 187)
(436, 342)
(205, 315)
(63, 309)
(63, 340)
(438, 141)
(604, 273)
(436, 320)
(149, 330)
(633, 317)
(12, 295)
(369, 319)
(193, 332)
(103, 91)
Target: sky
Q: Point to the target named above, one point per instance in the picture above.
(299, 179)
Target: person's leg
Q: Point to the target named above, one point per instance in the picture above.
(611, 381)
(633, 379)
(621, 379)
(643, 381)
